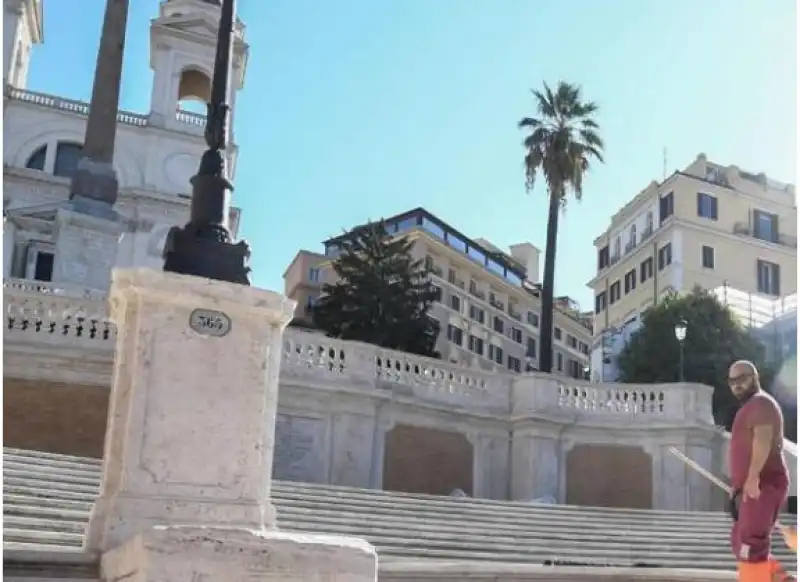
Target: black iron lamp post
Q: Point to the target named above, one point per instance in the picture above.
(204, 247)
(680, 335)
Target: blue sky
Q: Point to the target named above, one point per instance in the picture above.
(359, 109)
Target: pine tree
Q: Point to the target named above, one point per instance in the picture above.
(382, 296)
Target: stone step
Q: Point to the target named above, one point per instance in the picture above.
(63, 539)
(368, 493)
(29, 506)
(48, 469)
(55, 457)
(74, 484)
(43, 524)
(551, 518)
(27, 519)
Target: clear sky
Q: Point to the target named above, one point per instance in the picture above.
(360, 109)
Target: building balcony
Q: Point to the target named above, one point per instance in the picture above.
(63, 334)
(747, 230)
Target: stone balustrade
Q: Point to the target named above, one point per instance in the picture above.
(82, 108)
(52, 314)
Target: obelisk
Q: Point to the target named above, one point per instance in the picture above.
(88, 228)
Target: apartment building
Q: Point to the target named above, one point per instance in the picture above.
(488, 305)
(708, 225)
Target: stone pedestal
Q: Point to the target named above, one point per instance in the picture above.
(206, 555)
(191, 419)
(86, 248)
(185, 494)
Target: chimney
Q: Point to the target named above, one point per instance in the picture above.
(528, 255)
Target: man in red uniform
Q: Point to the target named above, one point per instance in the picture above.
(759, 476)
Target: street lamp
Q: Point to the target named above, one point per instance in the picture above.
(680, 335)
(204, 246)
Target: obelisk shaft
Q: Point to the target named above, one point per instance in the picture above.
(95, 178)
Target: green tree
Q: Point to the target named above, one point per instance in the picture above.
(561, 143)
(715, 339)
(382, 296)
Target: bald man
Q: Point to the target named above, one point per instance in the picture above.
(759, 476)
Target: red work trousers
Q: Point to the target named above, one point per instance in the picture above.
(752, 533)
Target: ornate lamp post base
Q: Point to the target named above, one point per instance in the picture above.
(192, 253)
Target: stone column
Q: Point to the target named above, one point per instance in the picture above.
(185, 493)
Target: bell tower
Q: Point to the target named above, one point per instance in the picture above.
(182, 48)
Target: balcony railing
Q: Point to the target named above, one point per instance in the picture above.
(745, 229)
(82, 108)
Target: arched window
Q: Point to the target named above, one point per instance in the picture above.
(37, 159)
(68, 154)
(194, 91)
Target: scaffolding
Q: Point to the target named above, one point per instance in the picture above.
(773, 322)
(757, 311)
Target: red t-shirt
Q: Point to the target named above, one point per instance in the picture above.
(760, 409)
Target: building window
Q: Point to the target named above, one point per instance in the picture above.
(44, 266)
(614, 293)
(572, 341)
(514, 364)
(600, 302)
(533, 319)
(67, 157)
(602, 258)
(516, 334)
(769, 277)
(632, 241)
(617, 247)
(708, 257)
(666, 207)
(455, 335)
(498, 325)
(455, 303)
(646, 270)
(584, 347)
(765, 226)
(557, 333)
(37, 159)
(477, 314)
(706, 206)
(559, 361)
(310, 301)
(648, 228)
(530, 350)
(495, 354)
(664, 256)
(437, 293)
(630, 280)
(476, 345)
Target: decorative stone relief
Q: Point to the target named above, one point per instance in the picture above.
(299, 449)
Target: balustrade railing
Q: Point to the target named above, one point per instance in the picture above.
(82, 108)
(58, 315)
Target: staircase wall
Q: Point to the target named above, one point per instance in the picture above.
(338, 400)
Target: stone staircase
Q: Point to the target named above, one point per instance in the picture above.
(47, 499)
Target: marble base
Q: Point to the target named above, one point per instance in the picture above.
(191, 422)
(197, 554)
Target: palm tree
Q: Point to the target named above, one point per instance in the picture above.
(562, 142)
